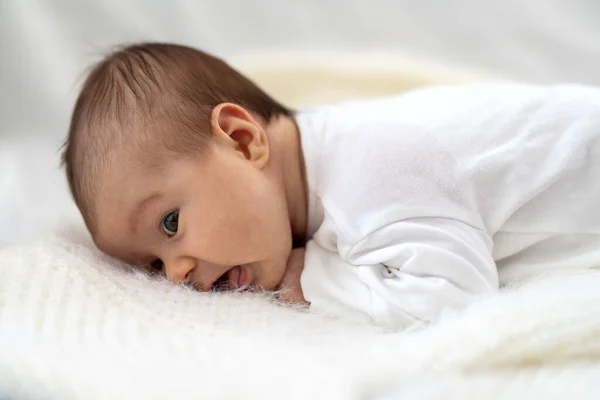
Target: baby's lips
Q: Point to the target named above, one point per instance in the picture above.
(244, 276)
(233, 278)
(238, 277)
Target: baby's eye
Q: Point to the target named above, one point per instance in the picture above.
(170, 223)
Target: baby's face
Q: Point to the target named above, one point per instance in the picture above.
(215, 222)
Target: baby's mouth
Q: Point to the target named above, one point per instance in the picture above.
(233, 278)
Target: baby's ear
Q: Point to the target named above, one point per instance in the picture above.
(233, 126)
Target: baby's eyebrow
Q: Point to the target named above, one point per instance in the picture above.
(134, 216)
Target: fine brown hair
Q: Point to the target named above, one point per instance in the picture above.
(150, 95)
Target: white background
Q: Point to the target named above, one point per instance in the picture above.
(45, 47)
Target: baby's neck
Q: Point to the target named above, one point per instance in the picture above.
(286, 153)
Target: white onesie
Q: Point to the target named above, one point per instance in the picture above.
(417, 202)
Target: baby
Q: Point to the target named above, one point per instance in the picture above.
(399, 210)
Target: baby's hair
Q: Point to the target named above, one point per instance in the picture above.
(165, 92)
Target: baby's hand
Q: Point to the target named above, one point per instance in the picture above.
(290, 285)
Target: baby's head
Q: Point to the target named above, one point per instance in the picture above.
(170, 162)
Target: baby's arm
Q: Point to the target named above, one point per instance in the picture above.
(404, 275)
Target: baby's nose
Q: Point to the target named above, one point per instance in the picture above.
(179, 270)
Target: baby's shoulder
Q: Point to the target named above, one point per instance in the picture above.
(374, 136)
(369, 164)
(449, 122)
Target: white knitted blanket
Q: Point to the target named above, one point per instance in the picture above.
(75, 325)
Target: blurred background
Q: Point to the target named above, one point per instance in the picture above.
(46, 46)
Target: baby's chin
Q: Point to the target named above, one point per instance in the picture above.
(268, 277)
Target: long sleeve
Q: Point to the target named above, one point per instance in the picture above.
(404, 275)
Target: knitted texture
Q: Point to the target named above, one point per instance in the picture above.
(75, 324)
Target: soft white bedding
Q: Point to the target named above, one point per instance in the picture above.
(75, 325)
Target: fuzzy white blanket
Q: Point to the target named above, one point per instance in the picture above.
(75, 325)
